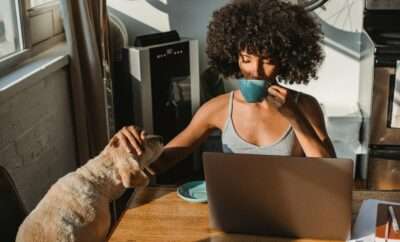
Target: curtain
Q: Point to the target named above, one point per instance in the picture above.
(87, 33)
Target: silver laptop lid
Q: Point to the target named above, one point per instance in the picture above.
(279, 195)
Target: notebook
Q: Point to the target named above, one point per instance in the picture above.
(386, 223)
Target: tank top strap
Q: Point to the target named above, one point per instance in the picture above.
(229, 116)
(230, 105)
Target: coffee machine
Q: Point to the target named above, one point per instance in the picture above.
(384, 142)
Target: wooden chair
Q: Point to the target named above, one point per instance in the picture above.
(12, 209)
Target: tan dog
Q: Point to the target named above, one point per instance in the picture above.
(76, 207)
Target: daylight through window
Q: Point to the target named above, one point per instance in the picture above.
(10, 28)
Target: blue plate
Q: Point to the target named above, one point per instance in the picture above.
(194, 192)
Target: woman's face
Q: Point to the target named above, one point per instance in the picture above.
(254, 67)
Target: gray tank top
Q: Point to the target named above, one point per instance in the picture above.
(233, 143)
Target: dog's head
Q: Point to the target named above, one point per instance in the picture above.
(153, 146)
(129, 167)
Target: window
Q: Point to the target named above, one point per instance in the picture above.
(44, 20)
(10, 29)
(27, 27)
(35, 3)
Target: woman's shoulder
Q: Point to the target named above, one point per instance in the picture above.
(218, 102)
(308, 103)
(304, 98)
(215, 109)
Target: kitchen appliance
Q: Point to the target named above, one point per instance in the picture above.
(384, 144)
(166, 93)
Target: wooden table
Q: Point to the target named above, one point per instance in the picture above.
(158, 214)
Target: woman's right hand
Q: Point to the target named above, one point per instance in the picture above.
(131, 139)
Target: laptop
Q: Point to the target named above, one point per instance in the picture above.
(281, 196)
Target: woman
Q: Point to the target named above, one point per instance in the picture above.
(263, 40)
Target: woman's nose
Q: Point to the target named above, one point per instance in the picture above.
(258, 71)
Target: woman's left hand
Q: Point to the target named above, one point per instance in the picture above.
(283, 99)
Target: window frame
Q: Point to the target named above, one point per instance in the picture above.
(44, 5)
(29, 49)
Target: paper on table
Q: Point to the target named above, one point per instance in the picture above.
(364, 227)
(363, 239)
(395, 115)
(393, 217)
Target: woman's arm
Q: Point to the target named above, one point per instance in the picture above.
(209, 117)
(309, 127)
(204, 121)
(307, 121)
(186, 141)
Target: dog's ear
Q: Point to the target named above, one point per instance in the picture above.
(130, 174)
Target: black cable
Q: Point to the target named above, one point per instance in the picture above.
(313, 4)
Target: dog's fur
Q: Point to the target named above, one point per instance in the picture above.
(76, 207)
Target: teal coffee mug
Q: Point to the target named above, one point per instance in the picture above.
(253, 91)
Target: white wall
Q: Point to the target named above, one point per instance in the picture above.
(37, 144)
(339, 75)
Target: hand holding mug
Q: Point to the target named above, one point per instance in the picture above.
(283, 99)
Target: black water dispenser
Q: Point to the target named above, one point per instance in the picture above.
(166, 93)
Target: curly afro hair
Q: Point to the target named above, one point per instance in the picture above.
(280, 31)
